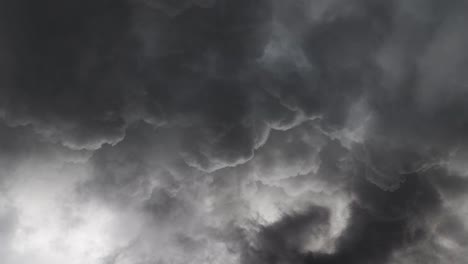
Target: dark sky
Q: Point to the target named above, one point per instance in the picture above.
(233, 131)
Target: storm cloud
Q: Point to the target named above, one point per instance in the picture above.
(233, 131)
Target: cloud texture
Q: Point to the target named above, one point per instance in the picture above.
(233, 131)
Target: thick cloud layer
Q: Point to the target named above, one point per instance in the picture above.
(233, 131)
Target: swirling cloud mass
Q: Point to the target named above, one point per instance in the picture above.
(233, 131)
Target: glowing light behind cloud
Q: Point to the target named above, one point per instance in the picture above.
(54, 225)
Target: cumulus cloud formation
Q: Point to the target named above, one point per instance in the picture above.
(233, 131)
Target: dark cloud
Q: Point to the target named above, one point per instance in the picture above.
(66, 70)
(381, 223)
(222, 131)
(282, 242)
(19, 145)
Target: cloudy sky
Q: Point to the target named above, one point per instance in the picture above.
(233, 132)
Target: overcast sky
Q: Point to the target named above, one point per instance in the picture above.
(233, 132)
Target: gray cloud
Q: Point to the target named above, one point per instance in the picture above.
(219, 131)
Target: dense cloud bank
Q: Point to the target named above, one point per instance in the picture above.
(233, 131)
